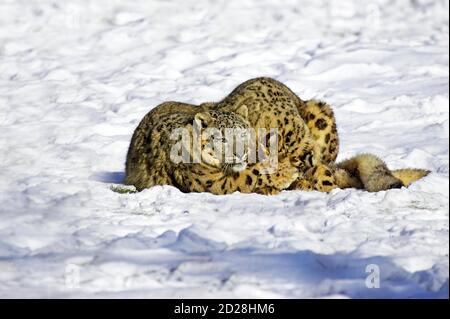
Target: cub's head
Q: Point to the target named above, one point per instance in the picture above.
(223, 138)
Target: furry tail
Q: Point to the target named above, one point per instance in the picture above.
(375, 175)
(409, 175)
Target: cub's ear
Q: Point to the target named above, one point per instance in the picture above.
(202, 119)
(242, 111)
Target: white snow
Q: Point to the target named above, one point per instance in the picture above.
(76, 78)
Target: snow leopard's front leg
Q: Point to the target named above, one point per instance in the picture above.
(321, 122)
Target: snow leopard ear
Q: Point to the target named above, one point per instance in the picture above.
(202, 119)
(242, 111)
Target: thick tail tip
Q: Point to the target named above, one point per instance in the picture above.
(410, 175)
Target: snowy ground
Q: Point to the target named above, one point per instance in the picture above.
(76, 78)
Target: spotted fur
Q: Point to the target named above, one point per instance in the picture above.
(149, 164)
(308, 145)
(309, 139)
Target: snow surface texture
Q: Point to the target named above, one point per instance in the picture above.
(77, 77)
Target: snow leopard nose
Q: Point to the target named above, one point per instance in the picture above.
(240, 159)
(236, 159)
